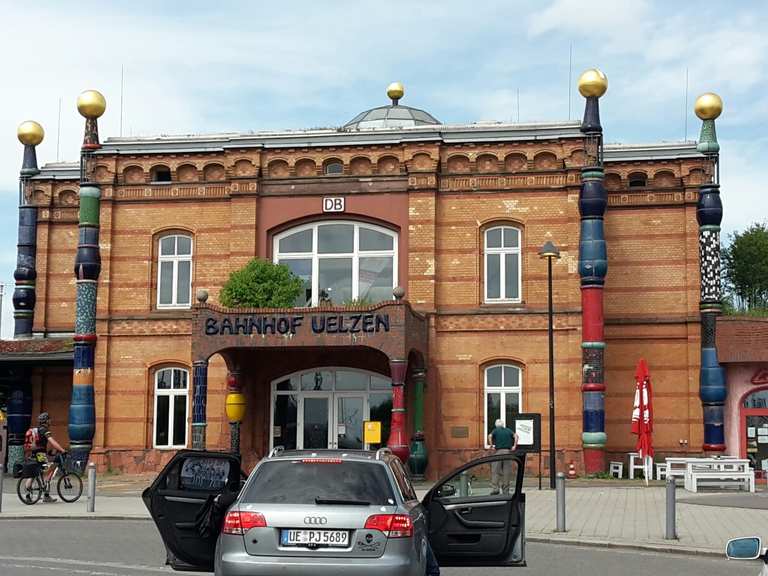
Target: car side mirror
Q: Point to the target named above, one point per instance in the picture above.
(446, 491)
(744, 548)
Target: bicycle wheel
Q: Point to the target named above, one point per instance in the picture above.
(70, 487)
(29, 494)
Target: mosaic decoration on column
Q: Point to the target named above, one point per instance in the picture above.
(82, 409)
(593, 266)
(709, 214)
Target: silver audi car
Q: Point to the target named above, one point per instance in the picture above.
(335, 513)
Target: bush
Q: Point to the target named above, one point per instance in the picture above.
(261, 284)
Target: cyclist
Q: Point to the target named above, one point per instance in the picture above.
(37, 441)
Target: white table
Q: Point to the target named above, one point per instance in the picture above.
(719, 471)
(676, 466)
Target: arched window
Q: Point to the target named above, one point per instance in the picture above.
(340, 262)
(174, 271)
(333, 168)
(171, 406)
(502, 264)
(503, 395)
(637, 180)
(160, 174)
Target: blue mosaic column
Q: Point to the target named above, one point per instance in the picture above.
(199, 403)
(593, 266)
(82, 410)
(30, 134)
(19, 417)
(709, 214)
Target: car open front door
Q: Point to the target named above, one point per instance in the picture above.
(182, 503)
(476, 514)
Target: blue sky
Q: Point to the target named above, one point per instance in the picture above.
(194, 67)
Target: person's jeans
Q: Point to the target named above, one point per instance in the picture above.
(432, 567)
(500, 473)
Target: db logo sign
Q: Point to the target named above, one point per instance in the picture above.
(333, 204)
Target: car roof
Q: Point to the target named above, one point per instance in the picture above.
(349, 455)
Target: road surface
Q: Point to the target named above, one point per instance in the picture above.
(133, 548)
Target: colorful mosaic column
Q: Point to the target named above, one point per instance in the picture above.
(398, 439)
(82, 411)
(199, 403)
(30, 134)
(418, 460)
(235, 406)
(593, 266)
(709, 214)
(19, 417)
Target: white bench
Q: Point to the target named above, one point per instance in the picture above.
(676, 466)
(719, 472)
(616, 469)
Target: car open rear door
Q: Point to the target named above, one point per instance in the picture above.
(182, 503)
(476, 514)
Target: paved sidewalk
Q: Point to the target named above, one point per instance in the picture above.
(630, 517)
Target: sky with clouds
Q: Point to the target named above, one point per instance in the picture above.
(193, 66)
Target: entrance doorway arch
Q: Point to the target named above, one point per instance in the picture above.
(754, 429)
(325, 407)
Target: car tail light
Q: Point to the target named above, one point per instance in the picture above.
(393, 525)
(237, 522)
(321, 461)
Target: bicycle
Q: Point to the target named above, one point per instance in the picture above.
(32, 484)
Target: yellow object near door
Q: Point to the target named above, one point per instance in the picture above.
(372, 432)
(235, 407)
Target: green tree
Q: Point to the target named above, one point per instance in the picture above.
(261, 284)
(745, 270)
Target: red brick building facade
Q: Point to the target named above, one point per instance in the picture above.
(453, 214)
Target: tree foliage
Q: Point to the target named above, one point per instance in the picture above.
(745, 270)
(261, 284)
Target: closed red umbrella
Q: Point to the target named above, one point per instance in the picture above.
(642, 416)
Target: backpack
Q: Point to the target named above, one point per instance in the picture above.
(31, 440)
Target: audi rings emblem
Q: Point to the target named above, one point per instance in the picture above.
(315, 520)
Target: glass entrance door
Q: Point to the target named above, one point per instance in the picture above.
(316, 411)
(350, 414)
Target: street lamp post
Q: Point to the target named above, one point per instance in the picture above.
(550, 252)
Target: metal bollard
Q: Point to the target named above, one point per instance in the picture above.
(2, 474)
(464, 484)
(91, 487)
(560, 498)
(671, 529)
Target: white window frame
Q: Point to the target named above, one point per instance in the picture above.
(502, 251)
(175, 259)
(503, 391)
(172, 393)
(355, 255)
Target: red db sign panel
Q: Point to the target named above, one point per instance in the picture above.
(333, 204)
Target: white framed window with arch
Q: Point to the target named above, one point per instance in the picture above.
(174, 271)
(502, 264)
(340, 261)
(171, 407)
(502, 395)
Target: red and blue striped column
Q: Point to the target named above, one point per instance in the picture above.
(709, 214)
(593, 266)
(82, 412)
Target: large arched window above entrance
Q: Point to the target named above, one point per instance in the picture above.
(503, 384)
(340, 262)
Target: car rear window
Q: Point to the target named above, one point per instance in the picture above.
(304, 482)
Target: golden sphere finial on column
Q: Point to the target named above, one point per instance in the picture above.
(91, 104)
(708, 106)
(593, 82)
(30, 133)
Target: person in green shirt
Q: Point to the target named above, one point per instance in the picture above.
(504, 441)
